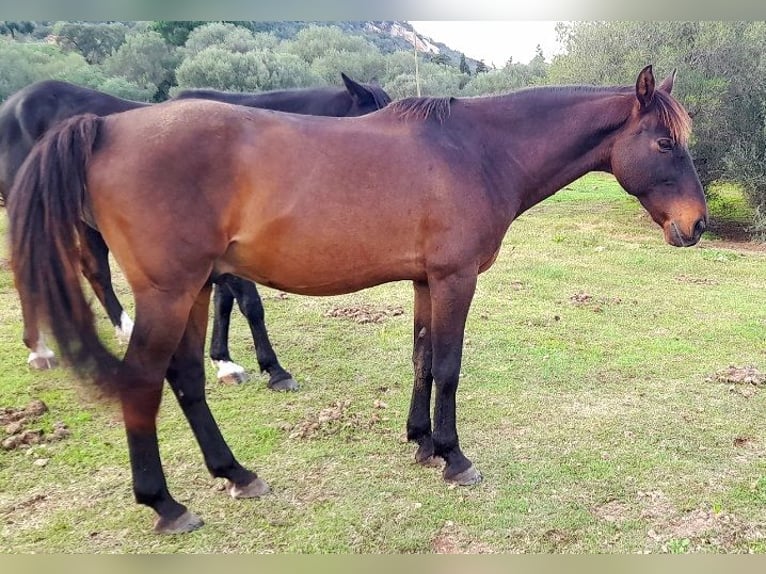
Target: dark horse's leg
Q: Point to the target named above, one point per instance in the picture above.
(94, 262)
(450, 299)
(95, 267)
(419, 420)
(229, 287)
(165, 326)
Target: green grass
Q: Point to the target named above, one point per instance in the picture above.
(586, 401)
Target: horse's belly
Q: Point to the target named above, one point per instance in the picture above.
(310, 266)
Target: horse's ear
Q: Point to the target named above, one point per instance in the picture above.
(357, 90)
(645, 87)
(667, 84)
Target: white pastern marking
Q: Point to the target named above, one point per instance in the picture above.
(125, 330)
(226, 368)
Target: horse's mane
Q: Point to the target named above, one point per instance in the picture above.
(421, 108)
(674, 116)
(671, 113)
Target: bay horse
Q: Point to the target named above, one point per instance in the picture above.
(33, 110)
(423, 190)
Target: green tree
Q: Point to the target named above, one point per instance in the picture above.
(463, 67)
(233, 38)
(218, 68)
(175, 32)
(12, 28)
(23, 63)
(95, 41)
(316, 41)
(481, 67)
(441, 59)
(145, 60)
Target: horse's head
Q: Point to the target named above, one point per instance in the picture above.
(650, 159)
(365, 98)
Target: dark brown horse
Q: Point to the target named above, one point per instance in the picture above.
(423, 191)
(30, 112)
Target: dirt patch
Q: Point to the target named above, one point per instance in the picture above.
(595, 304)
(696, 280)
(700, 528)
(696, 529)
(613, 511)
(333, 419)
(365, 313)
(5, 264)
(743, 381)
(451, 539)
(15, 423)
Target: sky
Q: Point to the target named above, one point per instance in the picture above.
(493, 41)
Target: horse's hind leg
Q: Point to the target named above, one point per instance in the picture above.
(419, 419)
(251, 306)
(95, 267)
(40, 356)
(161, 319)
(186, 376)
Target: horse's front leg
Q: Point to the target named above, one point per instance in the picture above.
(450, 301)
(419, 419)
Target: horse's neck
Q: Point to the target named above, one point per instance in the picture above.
(296, 100)
(548, 138)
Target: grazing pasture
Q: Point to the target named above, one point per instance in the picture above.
(612, 392)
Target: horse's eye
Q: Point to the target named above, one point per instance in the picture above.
(665, 144)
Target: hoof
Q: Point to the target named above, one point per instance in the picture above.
(42, 363)
(283, 385)
(184, 523)
(230, 373)
(255, 489)
(425, 455)
(233, 378)
(468, 477)
(430, 461)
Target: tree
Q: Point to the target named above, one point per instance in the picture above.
(95, 41)
(175, 32)
(13, 27)
(233, 38)
(481, 67)
(218, 68)
(463, 67)
(23, 63)
(442, 59)
(316, 41)
(146, 61)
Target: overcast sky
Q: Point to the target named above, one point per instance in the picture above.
(493, 41)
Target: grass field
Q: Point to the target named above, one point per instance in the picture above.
(611, 395)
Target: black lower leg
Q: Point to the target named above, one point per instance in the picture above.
(419, 419)
(251, 306)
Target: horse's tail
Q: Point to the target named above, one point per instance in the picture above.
(45, 211)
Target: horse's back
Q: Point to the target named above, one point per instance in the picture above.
(28, 113)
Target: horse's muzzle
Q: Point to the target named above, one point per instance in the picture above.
(674, 236)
